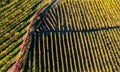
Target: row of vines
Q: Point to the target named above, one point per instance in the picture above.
(14, 19)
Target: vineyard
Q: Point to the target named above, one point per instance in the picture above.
(60, 36)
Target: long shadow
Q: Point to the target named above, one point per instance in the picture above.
(64, 31)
